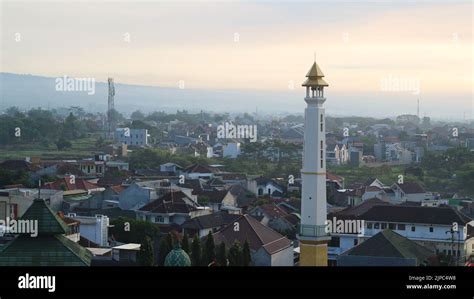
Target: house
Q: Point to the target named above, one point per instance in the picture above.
(469, 244)
(336, 154)
(275, 217)
(267, 247)
(69, 183)
(231, 150)
(387, 248)
(238, 199)
(171, 168)
(202, 225)
(93, 228)
(196, 171)
(138, 194)
(15, 201)
(262, 186)
(116, 165)
(212, 199)
(341, 242)
(109, 198)
(126, 253)
(411, 191)
(138, 137)
(428, 226)
(173, 207)
(234, 178)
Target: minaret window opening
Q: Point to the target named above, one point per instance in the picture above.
(321, 122)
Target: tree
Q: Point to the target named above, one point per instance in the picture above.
(137, 115)
(196, 251)
(62, 144)
(185, 243)
(246, 259)
(128, 230)
(100, 142)
(71, 127)
(170, 240)
(146, 256)
(164, 249)
(235, 254)
(209, 250)
(221, 256)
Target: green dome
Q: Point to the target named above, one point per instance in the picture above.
(177, 258)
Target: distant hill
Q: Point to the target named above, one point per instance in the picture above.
(29, 91)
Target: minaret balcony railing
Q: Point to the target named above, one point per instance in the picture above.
(312, 231)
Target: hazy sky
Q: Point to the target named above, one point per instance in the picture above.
(267, 45)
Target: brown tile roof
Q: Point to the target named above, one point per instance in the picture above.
(171, 202)
(334, 177)
(255, 233)
(372, 189)
(214, 196)
(356, 211)
(199, 168)
(117, 189)
(273, 210)
(414, 214)
(411, 188)
(69, 169)
(80, 184)
(213, 220)
(16, 165)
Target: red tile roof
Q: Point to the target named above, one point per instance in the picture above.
(65, 184)
(255, 233)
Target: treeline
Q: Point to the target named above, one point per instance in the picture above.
(205, 252)
(43, 127)
(201, 252)
(452, 170)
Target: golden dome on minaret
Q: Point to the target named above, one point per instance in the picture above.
(315, 77)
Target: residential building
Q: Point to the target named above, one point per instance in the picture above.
(202, 225)
(137, 137)
(174, 207)
(267, 247)
(95, 228)
(388, 248)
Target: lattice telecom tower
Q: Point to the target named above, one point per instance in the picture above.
(111, 106)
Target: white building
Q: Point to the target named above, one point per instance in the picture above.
(138, 137)
(231, 150)
(428, 226)
(93, 228)
(337, 154)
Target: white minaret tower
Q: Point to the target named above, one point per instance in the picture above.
(312, 234)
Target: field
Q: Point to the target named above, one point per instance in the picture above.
(81, 148)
